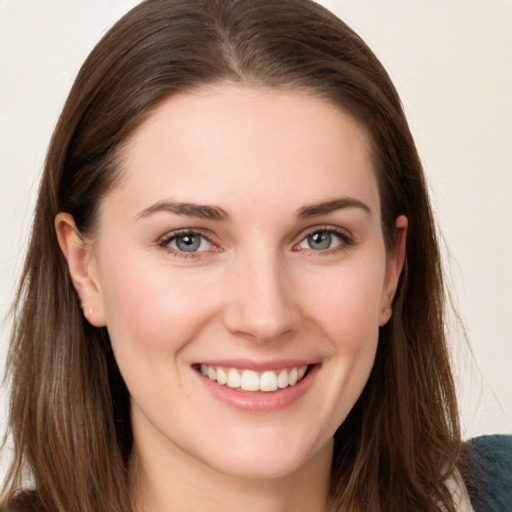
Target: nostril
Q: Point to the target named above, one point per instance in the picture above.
(259, 325)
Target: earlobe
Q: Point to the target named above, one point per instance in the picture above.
(82, 268)
(394, 266)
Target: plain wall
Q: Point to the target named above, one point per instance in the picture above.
(452, 64)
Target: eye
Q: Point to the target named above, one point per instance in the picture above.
(325, 239)
(186, 242)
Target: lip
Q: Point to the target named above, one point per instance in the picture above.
(259, 401)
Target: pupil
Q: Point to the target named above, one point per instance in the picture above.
(320, 240)
(188, 243)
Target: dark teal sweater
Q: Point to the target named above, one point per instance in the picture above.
(488, 475)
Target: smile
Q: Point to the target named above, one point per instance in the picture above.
(250, 380)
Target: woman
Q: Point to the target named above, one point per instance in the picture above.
(233, 295)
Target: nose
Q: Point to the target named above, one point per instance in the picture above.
(261, 303)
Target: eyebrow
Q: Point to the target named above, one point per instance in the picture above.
(201, 211)
(332, 205)
(210, 212)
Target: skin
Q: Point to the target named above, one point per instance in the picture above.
(255, 290)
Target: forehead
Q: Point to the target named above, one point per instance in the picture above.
(242, 145)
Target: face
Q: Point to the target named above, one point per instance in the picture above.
(241, 271)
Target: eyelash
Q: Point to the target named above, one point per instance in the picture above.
(346, 241)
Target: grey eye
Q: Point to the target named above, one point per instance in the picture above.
(320, 240)
(188, 242)
(183, 243)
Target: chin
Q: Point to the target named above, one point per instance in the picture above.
(275, 459)
(262, 468)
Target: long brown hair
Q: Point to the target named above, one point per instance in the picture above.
(69, 410)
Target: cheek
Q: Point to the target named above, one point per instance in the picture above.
(347, 312)
(151, 309)
(348, 303)
(351, 323)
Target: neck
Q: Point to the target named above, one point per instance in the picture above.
(184, 483)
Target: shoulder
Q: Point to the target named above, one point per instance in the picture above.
(488, 473)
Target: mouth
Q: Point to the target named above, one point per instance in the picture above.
(252, 387)
(248, 380)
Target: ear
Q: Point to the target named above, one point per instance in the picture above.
(82, 268)
(394, 265)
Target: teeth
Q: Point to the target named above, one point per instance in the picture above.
(222, 377)
(282, 379)
(233, 379)
(212, 373)
(249, 380)
(292, 378)
(268, 381)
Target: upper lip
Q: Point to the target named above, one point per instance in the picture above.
(257, 366)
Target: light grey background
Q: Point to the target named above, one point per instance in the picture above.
(452, 64)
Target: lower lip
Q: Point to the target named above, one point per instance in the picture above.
(260, 401)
